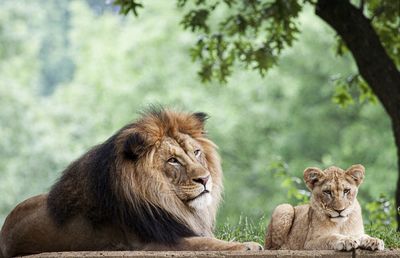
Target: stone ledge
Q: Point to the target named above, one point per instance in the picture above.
(215, 254)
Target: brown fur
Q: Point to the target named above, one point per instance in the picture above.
(332, 220)
(145, 188)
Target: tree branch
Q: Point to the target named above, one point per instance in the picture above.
(373, 63)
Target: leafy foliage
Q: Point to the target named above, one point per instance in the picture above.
(251, 32)
(254, 33)
(347, 89)
(381, 213)
(385, 19)
(292, 184)
(386, 22)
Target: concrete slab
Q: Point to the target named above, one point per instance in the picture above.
(178, 254)
(214, 254)
(378, 254)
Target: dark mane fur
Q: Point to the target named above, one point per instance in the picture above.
(86, 188)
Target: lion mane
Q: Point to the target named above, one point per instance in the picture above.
(117, 182)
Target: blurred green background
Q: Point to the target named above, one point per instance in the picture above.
(74, 72)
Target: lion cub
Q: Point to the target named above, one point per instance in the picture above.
(332, 219)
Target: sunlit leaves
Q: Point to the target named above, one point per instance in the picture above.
(264, 59)
(341, 48)
(292, 184)
(382, 212)
(385, 19)
(342, 96)
(385, 16)
(353, 86)
(216, 63)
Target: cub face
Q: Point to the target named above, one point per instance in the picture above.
(333, 190)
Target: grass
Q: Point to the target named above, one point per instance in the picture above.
(389, 235)
(254, 230)
(243, 231)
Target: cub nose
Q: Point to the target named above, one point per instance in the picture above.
(202, 180)
(339, 211)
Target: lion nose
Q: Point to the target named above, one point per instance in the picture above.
(202, 180)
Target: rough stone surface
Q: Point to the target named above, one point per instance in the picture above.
(266, 254)
(381, 254)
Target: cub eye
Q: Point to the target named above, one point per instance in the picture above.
(346, 191)
(327, 192)
(173, 161)
(197, 153)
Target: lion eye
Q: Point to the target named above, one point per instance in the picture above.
(346, 191)
(197, 153)
(173, 161)
(327, 192)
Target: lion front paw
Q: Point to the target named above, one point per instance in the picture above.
(372, 243)
(346, 244)
(247, 246)
(253, 246)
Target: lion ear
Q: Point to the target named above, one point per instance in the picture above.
(134, 146)
(201, 117)
(311, 176)
(356, 172)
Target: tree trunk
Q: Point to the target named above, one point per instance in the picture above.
(396, 131)
(373, 63)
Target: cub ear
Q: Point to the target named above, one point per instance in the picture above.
(134, 146)
(311, 176)
(356, 172)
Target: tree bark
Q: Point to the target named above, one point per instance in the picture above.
(373, 63)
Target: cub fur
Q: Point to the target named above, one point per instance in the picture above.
(154, 185)
(332, 220)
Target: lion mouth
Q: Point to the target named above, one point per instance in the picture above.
(198, 196)
(337, 217)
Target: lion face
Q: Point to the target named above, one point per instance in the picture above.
(334, 190)
(167, 160)
(184, 165)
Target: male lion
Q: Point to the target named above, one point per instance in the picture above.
(154, 185)
(332, 220)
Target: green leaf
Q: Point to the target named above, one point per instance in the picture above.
(127, 6)
(196, 20)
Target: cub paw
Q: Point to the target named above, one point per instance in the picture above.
(346, 244)
(372, 243)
